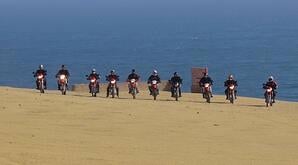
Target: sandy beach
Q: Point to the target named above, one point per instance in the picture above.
(76, 129)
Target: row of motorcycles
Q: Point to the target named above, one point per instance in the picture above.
(207, 93)
(62, 81)
(231, 95)
(112, 88)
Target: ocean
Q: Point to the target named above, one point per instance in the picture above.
(251, 47)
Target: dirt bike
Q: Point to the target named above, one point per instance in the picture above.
(133, 88)
(154, 89)
(112, 88)
(268, 96)
(94, 86)
(231, 93)
(207, 92)
(40, 79)
(63, 83)
(176, 87)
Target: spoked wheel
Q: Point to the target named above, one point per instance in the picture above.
(134, 93)
(268, 100)
(232, 98)
(208, 96)
(63, 90)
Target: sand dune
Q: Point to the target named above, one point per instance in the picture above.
(51, 129)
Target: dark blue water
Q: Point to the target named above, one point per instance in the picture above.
(251, 44)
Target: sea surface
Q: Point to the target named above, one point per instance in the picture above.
(250, 46)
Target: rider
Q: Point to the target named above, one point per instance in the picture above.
(43, 72)
(133, 75)
(230, 81)
(111, 76)
(206, 79)
(271, 83)
(175, 79)
(93, 74)
(62, 71)
(154, 76)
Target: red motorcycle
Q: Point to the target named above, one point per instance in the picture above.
(268, 96)
(94, 86)
(133, 88)
(154, 88)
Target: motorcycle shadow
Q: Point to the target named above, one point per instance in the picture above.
(252, 105)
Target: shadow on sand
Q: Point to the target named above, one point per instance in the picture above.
(251, 105)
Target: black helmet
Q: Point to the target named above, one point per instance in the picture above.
(63, 66)
(133, 70)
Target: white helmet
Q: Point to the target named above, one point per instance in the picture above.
(40, 66)
(154, 72)
(230, 77)
(270, 78)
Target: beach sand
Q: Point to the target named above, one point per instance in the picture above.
(76, 129)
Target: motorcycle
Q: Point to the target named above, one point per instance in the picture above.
(231, 93)
(112, 88)
(268, 96)
(94, 86)
(207, 92)
(154, 88)
(133, 88)
(176, 87)
(63, 83)
(40, 79)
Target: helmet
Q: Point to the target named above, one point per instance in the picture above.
(63, 66)
(112, 72)
(154, 72)
(93, 70)
(230, 77)
(40, 66)
(270, 78)
(175, 74)
(133, 70)
(205, 74)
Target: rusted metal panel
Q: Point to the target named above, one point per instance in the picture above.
(197, 74)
